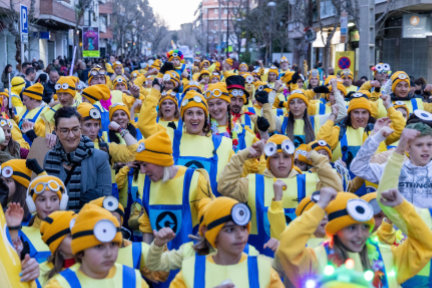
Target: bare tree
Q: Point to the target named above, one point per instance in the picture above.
(80, 7)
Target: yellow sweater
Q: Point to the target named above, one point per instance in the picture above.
(408, 258)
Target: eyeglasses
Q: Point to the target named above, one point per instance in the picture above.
(65, 131)
(215, 93)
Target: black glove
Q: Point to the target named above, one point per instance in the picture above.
(262, 97)
(172, 125)
(4, 194)
(167, 66)
(263, 124)
(281, 104)
(321, 89)
(295, 78)
(156, 82)
(33, 165)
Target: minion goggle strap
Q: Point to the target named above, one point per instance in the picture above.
(271, 148)
(313, 199)
(32, 92)
(401, 76)
(196, 99)
(237, 93)
(58, 234)
(382, 68)
(89, 96)
(104, 231)
(8, 172)
(357, 209)
(63, 86)
(111, 204)
(141, 148)
(240, 215)
(215, 93)
(40, 187)
(95, 72)
(6, 122)
(320, 143)
(18, 84)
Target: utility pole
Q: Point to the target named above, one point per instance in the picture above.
(367, 36)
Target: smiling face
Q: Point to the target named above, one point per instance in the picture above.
(194, 119)
(68, 131)
(280, 164)
(420, 150)
(402, 89)
(354, 237)
(121, 118)
(218, 109)
(359, 118)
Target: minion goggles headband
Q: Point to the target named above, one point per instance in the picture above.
(240, 215)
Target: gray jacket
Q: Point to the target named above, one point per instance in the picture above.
(95, 173)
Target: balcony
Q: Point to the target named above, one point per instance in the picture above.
(59, 14)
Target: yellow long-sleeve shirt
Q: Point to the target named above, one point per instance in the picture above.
(408, 258)
(179, 281)
(329, 132)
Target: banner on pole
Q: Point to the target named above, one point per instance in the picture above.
(90, 42)
(344, 60)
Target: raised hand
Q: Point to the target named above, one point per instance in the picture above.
(14, 214)
(327, 194)
(406, 137)
(163, 236)
(391, 198)
(272, 244)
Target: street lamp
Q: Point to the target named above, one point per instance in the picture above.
(271, 4)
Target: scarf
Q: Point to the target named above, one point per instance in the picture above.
(57, 157)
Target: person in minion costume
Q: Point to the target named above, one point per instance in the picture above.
(215, 77)
(297, 124)
(17, 86)
(164, 204)
(192, 131)
(381, 73)
(347, 136)
(176, 57)
(120, 93)
(332, 92)
(10, 264)
(284, 66)
(193, 85)
(45, 194)
(172, 81)
(301, 161)
(91, 124)
(350, 223)
(56, 234)
(32, 109)
(96, 239)
(313, 79)
(258, 189)
(132, 254)
(227, 225)
(272, 76)
(239, 101)
(168, 111)
(118, 71)
(65, 91)
(17, 177)
(93, 95)
(218, 99)
(243, 68)
(227, 68)
(204, 79)
(400, 87)
(347, 78)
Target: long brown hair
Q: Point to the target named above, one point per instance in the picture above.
(308, 129)
(58, 262)
(342, 252)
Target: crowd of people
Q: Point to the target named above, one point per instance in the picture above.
(214, 174)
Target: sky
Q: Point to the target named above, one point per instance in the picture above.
(175, 12)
